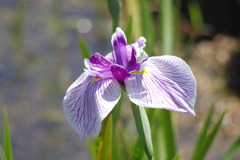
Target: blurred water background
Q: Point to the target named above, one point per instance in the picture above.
(40, 58)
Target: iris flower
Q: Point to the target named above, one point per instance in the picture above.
(155, 82)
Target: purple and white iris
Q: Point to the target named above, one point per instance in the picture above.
(156, 82)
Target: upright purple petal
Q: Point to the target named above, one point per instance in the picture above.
(88, 101)
(166, 82)
(99, 62)
(119, 44)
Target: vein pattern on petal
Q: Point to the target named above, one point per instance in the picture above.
(87, 103)
(170, 84)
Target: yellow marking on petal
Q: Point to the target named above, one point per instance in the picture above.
(142, 72)
(95, 79)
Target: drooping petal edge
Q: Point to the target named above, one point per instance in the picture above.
(88, 102)
(167, 82)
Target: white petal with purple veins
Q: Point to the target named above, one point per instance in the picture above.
(166, 82)
(88, 101)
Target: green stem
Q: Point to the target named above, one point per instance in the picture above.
(143, 129)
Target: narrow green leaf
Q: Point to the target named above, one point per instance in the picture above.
(116, 153)
(2, 153)
(195, 14)
(143, 129)
(7, 138)
(204, 148)
(178, 156)
(233, 150)
(138, 151)
(167, 27)
(166, 135)
(83, 47)
(147, 27)
(93, 146)
(105, 148)
(117, 109)
(203, 132)
(114, 9)
(128, 31)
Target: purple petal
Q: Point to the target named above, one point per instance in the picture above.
(88, 101)
(167, 82)
(119, 44)
(99, 62)
(119, 72)
(110, 57)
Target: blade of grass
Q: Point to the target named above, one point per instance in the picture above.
(83, 47)
(143, 128)
(147, 27)
(178, 156)
(115, 116)
(114, 9)
(166, 135)
(105, 147)
(203, 132)
(167, 27)
(2, 153)
(233, 150)
(138, 151)
(204, 148)
(128, 31)
(7, 138)
(117, 109)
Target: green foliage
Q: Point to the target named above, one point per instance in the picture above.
(143, 128)
(7, 138)
(2, 153)
(205, 140)
(114, 9)
(83, 47)
(147, 26)
(105, 148)
(166, 135)
(167, 27)
(233, 150)
(178, 156)
(128, 31)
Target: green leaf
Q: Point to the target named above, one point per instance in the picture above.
(203, 132)
(105, 147)
(166, 136)
(7, 138)
(195, 15)
(143, 129)
(167, 27)
(233, 150)
(147, 27)
(178, 156)
(2, 153)
(93, 146)
(116, 153)
(117, 110)
(206, 144)
(138, 151)
(83, 47)
(128, 31)
(114, 9)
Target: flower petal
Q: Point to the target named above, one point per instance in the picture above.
(119, 44)
(99, 62)
(166, 82)
(119, 72)
(88, 101)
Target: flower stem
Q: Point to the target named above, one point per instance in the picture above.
(143, 129)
